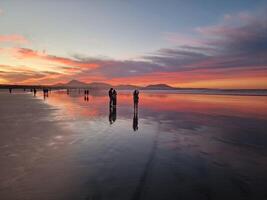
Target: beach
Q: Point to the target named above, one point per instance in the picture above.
(178, 146)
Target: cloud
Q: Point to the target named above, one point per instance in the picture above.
(222, 49)
(239, 41)
(19, 39)
(234, 48)
(21, 74)
(74, 65)
(181, 39)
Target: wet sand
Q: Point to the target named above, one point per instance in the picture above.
(185, 147)
(35, 162)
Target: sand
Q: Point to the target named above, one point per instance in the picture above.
(186, 147)
(32, 165)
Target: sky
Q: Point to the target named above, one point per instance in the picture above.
(190, 43)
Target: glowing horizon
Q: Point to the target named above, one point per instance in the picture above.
(223, 47)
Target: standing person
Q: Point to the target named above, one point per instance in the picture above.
(34, 92)
(136, 96)
(10, 90)
(45, 92)
(110, 92)
(114, 97)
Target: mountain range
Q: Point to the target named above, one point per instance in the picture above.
(101, 85)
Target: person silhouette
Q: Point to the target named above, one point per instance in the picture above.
(114, 97)
(34, 92)
(136, 97)
(10, 90)
(110, 92)
(45, 91)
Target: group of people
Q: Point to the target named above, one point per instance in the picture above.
(112, 93)
(86, 92)
(113, 111)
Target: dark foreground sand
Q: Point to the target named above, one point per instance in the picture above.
(31, 167)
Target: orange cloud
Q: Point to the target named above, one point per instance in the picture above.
(14, 38)
(74, 65)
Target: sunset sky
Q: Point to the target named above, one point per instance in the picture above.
(192, 43)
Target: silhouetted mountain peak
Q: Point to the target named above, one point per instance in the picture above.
(74, 82)
(102, 85)
(159, 87)
(99, 85)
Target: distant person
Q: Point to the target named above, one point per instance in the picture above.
(34, 92)
(10, 90)
(110, 93)
(45, 91)
(114, 97)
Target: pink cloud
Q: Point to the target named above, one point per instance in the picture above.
(73, 65)
(14, 39)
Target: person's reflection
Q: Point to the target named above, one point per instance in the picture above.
(86, 98)
(135, 118)
(112, 114)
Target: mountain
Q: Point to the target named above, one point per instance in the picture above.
(127, 87)
(99, 85)
(75, 83)
(159, 87)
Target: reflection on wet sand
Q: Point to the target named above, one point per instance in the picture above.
(135, 118)
(112, 113)
(187, 147)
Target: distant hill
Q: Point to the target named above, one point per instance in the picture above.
(75, 83)
(101, 85)
(127, 87)
(79, 84)
(159, 87)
